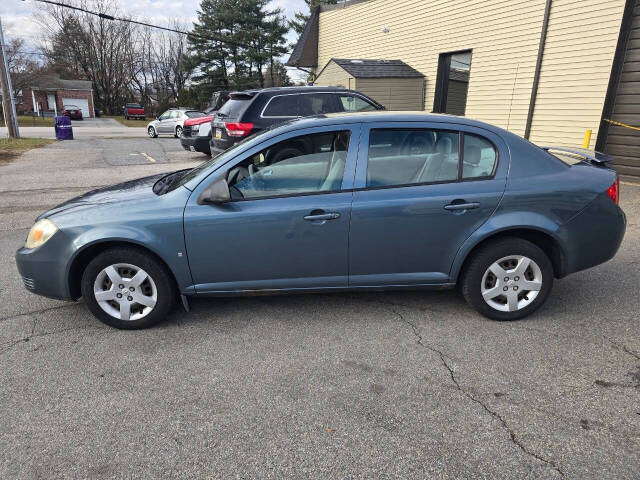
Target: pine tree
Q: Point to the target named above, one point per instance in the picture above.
(300, 18)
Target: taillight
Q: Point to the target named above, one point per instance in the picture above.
(238, 129)
(614, 191)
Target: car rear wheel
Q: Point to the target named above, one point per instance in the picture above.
(178, 132)
(127, 288)
(507, 279)
(152, 132)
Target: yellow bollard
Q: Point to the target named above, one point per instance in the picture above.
(587, 139)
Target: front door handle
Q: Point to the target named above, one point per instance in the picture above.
(462, 206)
(321, 216)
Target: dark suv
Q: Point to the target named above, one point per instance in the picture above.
(251, 111)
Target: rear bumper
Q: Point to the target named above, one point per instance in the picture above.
(198, 144)
(594, 235)
(44, 270)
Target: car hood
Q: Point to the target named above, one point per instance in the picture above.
(138, 189)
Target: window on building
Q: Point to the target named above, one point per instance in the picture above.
(452, 83)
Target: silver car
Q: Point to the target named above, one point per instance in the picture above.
(172, 122)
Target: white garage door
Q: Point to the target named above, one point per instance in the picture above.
(83, 103)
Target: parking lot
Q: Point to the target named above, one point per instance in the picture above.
(354, 385)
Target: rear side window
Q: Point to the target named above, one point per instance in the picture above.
(316, 104)
(282, 106)
(412, 156)
(479, 157)
(235, 106)
(351, 103)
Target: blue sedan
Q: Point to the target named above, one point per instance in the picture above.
(376, 200)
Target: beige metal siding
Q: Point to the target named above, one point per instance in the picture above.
(504, 37)
(334, 75)
(393, 93)
(581, 42)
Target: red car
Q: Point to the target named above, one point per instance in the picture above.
(196, 134)
(72, 111)
(134, 110)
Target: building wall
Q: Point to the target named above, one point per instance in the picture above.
(335, 76)
(393, 93)
(504, 37)
(580, 45)
(85, 94)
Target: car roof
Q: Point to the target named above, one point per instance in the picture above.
(387, 116)
(299, 89)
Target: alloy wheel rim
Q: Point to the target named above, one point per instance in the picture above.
(151, 132)
(511, 283)
(125, 292)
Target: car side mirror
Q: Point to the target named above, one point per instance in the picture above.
(216, 192)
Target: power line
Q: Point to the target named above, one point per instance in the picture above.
(128, 20)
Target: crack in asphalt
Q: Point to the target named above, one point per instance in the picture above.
(8, 346)
(624, 348)
(35, 312)
(494, 414)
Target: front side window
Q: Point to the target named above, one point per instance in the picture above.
(351, 103)
(479, 157)
(282, 106)
(302, 165)
(412, 156)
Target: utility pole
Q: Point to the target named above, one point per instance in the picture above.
(8, 105)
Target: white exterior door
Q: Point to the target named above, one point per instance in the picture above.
(82, 103)
(51, 102)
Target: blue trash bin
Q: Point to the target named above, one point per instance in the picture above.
(63, 128)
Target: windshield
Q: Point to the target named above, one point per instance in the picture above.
(134, 105)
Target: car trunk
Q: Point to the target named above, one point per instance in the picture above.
(230, 113)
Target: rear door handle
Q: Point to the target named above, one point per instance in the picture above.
(319, 217)
(462, 206)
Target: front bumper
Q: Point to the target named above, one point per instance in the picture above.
(198, 144)
(44, 269)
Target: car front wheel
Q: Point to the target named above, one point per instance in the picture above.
(127, 288)
(152, 132)
(178, 132)
(508, 279)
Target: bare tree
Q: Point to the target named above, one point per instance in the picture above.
(81, 45)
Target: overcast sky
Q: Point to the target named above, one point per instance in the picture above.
(18, 21)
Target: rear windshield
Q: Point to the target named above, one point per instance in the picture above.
(234, 107)
(134, 105)
(71, 107)
(194, 114)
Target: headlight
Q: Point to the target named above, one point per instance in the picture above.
(195, 128)
(42, 231)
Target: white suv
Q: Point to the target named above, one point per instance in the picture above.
(172, 122)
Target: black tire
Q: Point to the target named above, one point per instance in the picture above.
(152, 132)
(477, 265)
(166, 292)
(178, 133)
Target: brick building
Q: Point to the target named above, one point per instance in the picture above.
(49, 93)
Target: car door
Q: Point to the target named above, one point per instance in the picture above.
(163, 122)
(287, 224)
(420, 191)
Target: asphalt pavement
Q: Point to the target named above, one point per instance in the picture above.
(354, 385)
